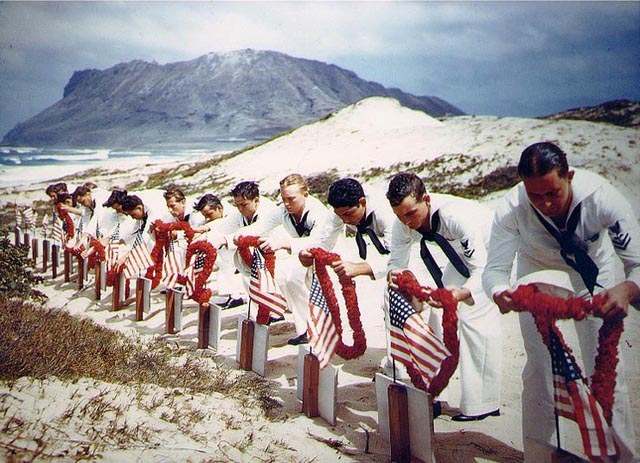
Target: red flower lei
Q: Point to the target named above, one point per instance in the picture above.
(546, 309)
(244, 243)
(163, 237)
(64, 215)
(99, 254)
(323, 259)
(201, 293)
(408, 284)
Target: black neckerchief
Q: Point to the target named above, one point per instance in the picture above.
(302, 228)
(570, 244)
(365, 227)
(452, 255)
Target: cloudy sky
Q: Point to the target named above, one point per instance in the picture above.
(505, 58)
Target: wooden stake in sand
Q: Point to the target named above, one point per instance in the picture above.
(399, 423)
(34, 250)
(116, 294)
(143, 297)
(101, 273)
(82, 270)
(246, 344)
(326, 388)
(209, 325)
(27, 240)
(311, 385)
(67, 265)
(405, 419)
(204, 322)
(46, 247)
(173, 311)
(55, 260)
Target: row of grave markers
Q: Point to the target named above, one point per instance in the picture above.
(405, 416)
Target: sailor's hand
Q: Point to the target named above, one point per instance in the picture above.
(392, 279)
(504, 301)
(305, 258)
(617, 299)
(351, 269)
(272, 244)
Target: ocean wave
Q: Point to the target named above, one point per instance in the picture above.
(39, 156)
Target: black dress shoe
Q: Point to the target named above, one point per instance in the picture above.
(275, 320)
(463, 417)
(301, 339)
(437, 409)
(231, 303)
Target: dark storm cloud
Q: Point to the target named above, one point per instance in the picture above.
(504, 58)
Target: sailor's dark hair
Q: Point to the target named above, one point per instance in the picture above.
(345, 192)
(405, 184)
(541, 158)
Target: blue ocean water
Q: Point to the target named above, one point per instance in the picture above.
(24, 165)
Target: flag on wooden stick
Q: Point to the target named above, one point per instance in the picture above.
(413, 342)
(323, 336)
(263, 289)
(575, 401)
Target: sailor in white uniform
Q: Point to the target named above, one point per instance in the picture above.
(249, 207)
(595, 223)
(302, 216)
(460, 229)
(368, 220)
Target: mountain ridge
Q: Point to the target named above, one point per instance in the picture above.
(625, 113)
(241, 94)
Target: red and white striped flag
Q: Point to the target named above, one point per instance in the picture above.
(191, 272)
(112, 254)
(29, 218)
(574, 400)
(171, 266)
(57, 233)
(262, 287)
(323, 337)
(413, 342)
(138, 260)
(18, 217)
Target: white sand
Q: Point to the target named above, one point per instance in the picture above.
(374, 133)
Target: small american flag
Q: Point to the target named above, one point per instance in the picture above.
(171, 266)
(115, 236)
(29, 218)
(112, 250)
(191, 272)
(574, 400)
(112, 254)
(57, 233)
(412, 341)
(19, 218)
(263, 289)
(323, 336)
(138, 260)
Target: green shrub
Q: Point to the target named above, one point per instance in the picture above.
(16, 279)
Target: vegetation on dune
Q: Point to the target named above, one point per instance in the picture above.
(36, 341)
(180, 175)
(16, 278)
(319, 184)
(450, 174)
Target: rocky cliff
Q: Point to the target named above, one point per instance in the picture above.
(245, 94)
